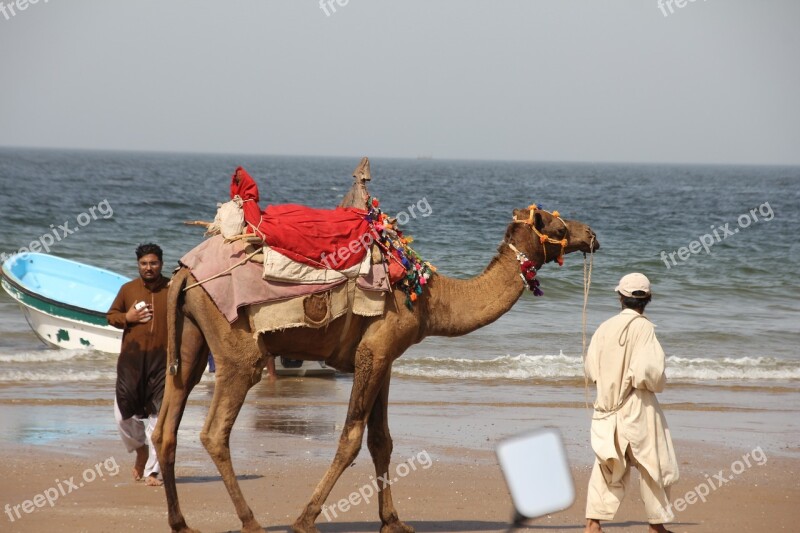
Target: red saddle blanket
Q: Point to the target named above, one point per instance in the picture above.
(323, 238)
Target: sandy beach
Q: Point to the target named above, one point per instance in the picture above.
(285, 437)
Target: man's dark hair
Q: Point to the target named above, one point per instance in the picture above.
(637, 304)
(149, 248)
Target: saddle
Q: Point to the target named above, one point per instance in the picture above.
(348, 257)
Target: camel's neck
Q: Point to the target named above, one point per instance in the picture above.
(456, 307)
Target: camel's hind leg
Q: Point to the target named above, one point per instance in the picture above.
(379, 442)
(193, 357)
(367, 381)
(231, 385)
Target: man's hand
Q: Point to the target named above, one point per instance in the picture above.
(136, 316)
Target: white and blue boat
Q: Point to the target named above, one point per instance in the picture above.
(64, 302)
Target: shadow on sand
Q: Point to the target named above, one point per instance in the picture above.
(420, 527)
(609, 525)
(213, 479)
(463, 526)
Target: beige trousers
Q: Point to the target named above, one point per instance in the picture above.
(605, 494)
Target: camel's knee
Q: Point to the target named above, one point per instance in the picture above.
(215, 446)
(352, 436)
(157, 436)
(379, 443)
(166, 449)
(205, 439)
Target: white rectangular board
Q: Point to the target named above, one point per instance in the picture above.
(537, 472)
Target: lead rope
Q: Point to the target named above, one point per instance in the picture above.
(587, 283)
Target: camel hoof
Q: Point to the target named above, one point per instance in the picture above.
(253, 528)
(397, 527)
(301, 526)
(185, 530)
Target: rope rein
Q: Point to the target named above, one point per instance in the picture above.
(587, 283)
(215, 276)
(588, 264)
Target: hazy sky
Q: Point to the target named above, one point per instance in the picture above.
(716, 81)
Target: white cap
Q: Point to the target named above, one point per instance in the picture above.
(635, 284)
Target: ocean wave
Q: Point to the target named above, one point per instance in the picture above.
(57, 375)
(732, 368)
(505, 367)
(567, 367)
(47, 356)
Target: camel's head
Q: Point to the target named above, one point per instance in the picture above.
(544, 236)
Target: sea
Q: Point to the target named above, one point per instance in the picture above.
(719, 244)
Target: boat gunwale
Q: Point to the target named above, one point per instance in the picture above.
(8, 275)
(55, 303)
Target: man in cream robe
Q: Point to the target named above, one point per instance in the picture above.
(626, 362)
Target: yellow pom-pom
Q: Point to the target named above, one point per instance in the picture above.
(556, 214)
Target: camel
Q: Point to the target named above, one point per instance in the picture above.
(364, 346)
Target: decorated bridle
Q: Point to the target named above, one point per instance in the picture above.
(527, 268)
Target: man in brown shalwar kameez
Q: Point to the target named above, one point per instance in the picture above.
(141, 366)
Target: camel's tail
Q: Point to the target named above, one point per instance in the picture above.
(174, 314)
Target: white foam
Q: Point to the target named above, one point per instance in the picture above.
(505, 367)
(732, 368)
(522, 367)
(57, 375)
(45, 356)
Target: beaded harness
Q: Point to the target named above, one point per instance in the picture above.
(527, 268)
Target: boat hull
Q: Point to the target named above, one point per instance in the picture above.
(63, 327)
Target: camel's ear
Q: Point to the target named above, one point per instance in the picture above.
(538, 221)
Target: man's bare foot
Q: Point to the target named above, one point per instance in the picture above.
(657, 528)
(593, 526)
(141, 460)
(153, 481)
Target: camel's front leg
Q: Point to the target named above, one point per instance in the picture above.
(379, 442)
(194, 354)
(367, 381)
(230, 390)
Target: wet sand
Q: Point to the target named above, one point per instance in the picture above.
(286, 434)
